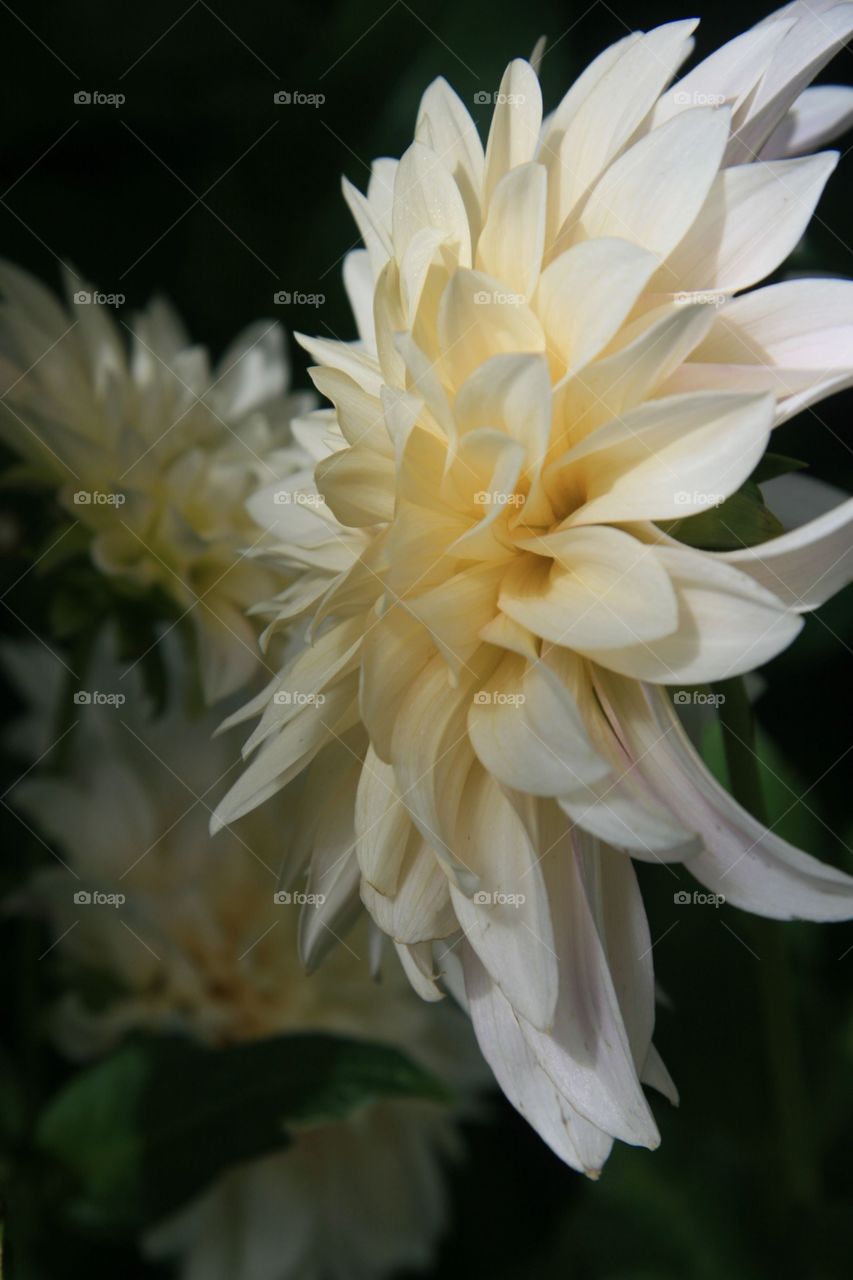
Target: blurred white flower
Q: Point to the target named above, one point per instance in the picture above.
(201, 946)
(552, 363)
(153, 451)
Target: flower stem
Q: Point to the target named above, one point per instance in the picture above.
(794, 1130)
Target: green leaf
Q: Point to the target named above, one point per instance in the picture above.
(773, 465)
(743, 520)
(150, 1126)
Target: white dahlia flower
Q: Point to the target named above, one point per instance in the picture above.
(200, 946)
(151, 450)
(553, 365)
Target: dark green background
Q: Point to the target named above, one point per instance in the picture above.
(113, 192)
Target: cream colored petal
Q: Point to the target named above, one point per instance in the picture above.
(727, 624)
(425, 195)
(653, 193)
(513, 240)
(585, 295)
(806, 566)
(669, 458)
(514, 132)
(527, 731)
(507, 920)
(817, 117)
(603, 590)
(358, 486)
(750, 222)
(480, 317)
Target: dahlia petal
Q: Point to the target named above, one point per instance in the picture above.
(728, 624)
(656, 1076)
(358, 283)
(432, 757)
(602, 589)
(348, 357)
(817, 117)
(729, 74)
(750, 222)
(333, 879)
(514, 132)
(479, 318)
(670, 458)
(382, 825)
(288, 754)
(358, 486)
(512, 242)
(508, 920)
(615, 383)
(425, 195)
(743, 860)
(527, 731)
(654, 192)
(455, 612)
(604, 109)
(806, 566)
(587, 1054)
(376, 239)
(585, 295)
(252, 371)
(816, 35)
(533, 1094)
(512, 392)
(455, 140)
(359, 415)
(419, 910)
(418, 965)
